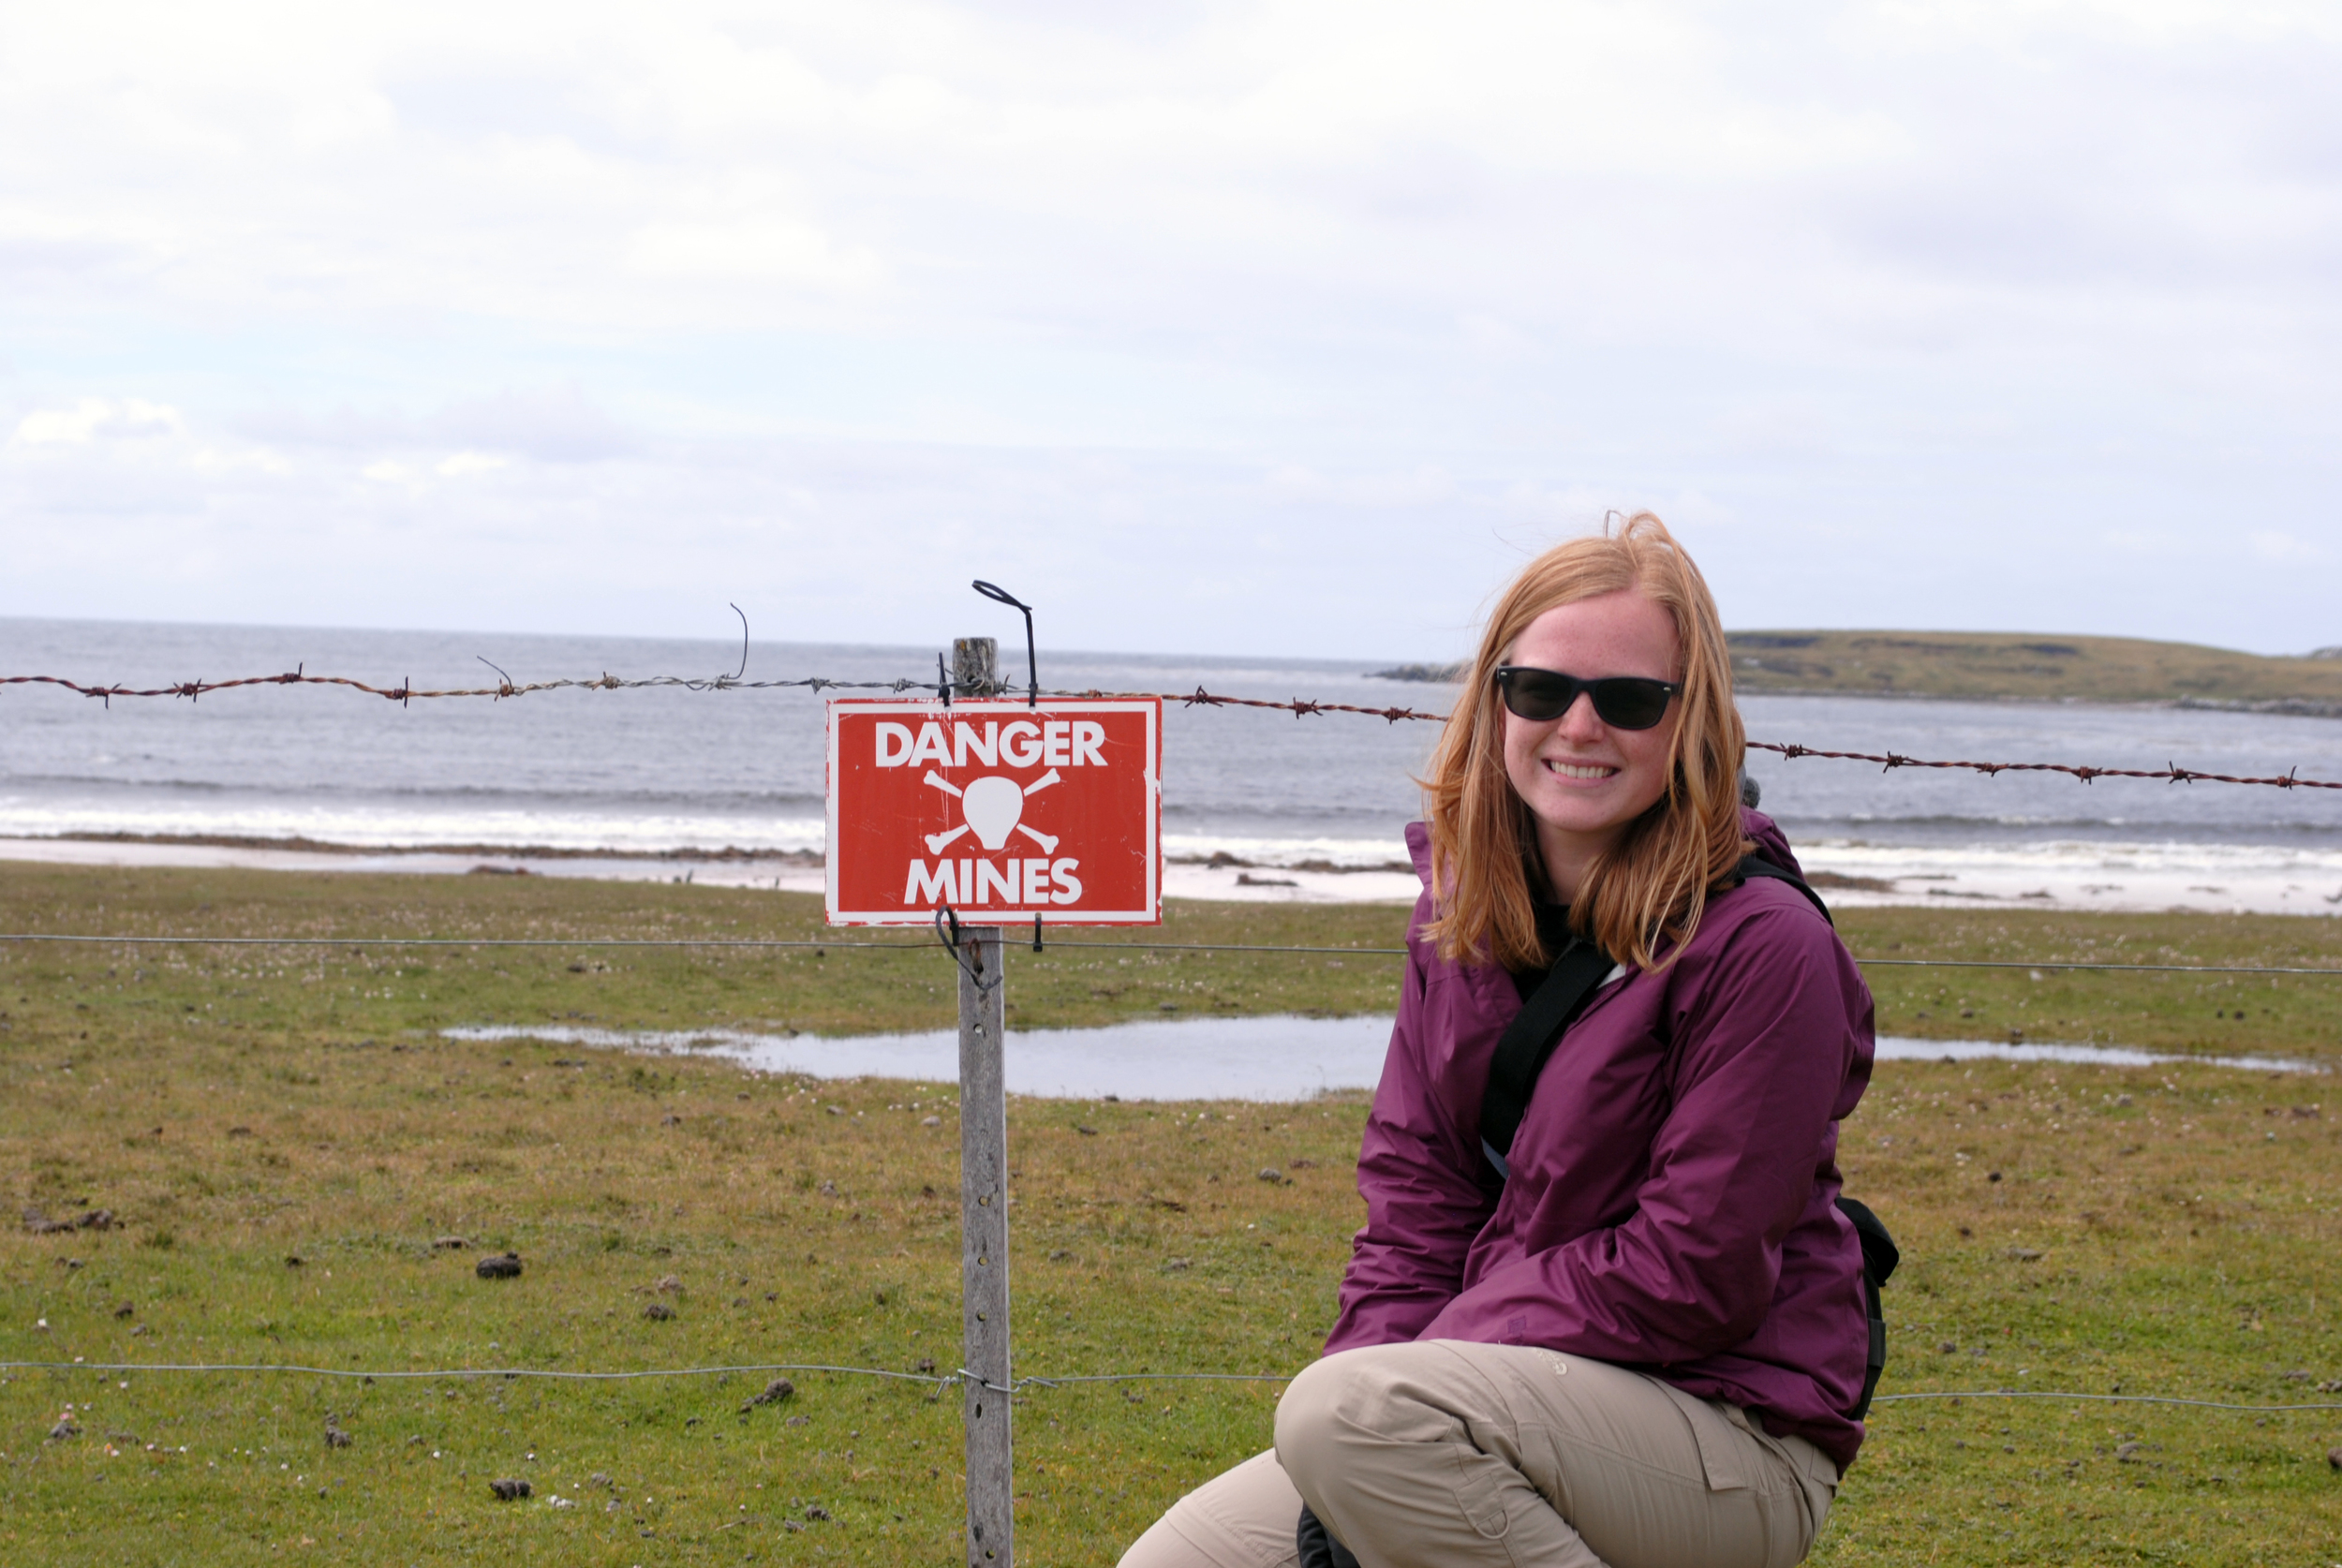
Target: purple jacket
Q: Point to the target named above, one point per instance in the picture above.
(1670, 1203)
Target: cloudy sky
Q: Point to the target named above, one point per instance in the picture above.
(1280, 327)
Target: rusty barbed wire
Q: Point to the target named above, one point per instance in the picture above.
(2172, 774)
(1300, 707)
(407, 691)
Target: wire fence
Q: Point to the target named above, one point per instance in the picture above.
(823, 944)
(407, 692)
(962, 1376)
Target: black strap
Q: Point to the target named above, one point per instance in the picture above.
(1879, 1256)
(1757, 865)
(1537, 1029)
(1530, 1039)
(1317, 1546)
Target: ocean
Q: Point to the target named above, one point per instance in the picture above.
(607, 782)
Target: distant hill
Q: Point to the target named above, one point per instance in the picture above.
(1984, 664)
(1999, 664)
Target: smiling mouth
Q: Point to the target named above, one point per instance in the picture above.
(1574, 770)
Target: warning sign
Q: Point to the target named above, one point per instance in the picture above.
(995, 810)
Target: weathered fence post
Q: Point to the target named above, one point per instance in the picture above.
(983, 1206)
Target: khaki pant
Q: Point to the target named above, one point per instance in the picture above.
(1447, 1454)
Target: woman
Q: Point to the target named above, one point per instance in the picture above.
(1634, 1335)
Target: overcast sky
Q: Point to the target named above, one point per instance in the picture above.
(1271, 327)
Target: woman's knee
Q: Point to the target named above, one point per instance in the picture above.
(1305, 1420)
(1340, 1407)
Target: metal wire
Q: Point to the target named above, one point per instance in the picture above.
(963, 1375)
(2173, 774)
(115, 1367)
(2096, 1398)
(2118, 968)
(405, 692)
(1055, 944)
(467, 941)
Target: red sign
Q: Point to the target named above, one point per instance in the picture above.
(997, 810)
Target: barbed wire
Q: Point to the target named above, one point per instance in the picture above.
(2172, 774)
(407, 692)
(116, 1368)
(1299, 708)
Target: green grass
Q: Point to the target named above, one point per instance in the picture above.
(2002, 664)
(235, 1108)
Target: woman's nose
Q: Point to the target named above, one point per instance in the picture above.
(1580, 721)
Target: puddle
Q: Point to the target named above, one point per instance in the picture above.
(1272, 1058)
(1268, 1059)
(1892, 1048)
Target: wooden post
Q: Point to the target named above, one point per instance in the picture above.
(976, 666)
(984, 1204)
(983, 1250)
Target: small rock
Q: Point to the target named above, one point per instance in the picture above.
(930, 1121)
(448, 1243)
(1271, 1173)
(1086, 1131)
(2024, 1254)
(774, 1391)
(668, 1286)
(508, 1266)
(658, 1311)
(600, 1478)
(509, 1489)
(816, 1512)
(65, 1428)
(2127, 1453)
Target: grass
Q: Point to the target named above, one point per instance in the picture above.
(2160, 1230)
(1994, 664)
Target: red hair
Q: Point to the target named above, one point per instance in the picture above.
(1650, 887)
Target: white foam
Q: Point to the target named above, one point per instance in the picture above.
(2218, 879)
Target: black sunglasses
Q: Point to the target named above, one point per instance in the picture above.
(1622, 702)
